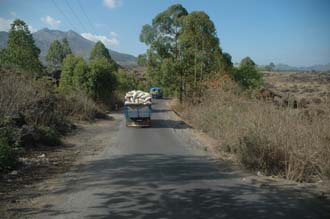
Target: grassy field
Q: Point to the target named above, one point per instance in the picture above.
(291, 142)
(306, 87)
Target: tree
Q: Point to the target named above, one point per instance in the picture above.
(100, 51)
(127, 81)
(270, 67)
(142, 60)
(162, 37)
(66, 47)
(247, 74)
(55, 55)
(21, 49)
(201, 55)
(101, 80)
(74, 74)
(247, 61)
(227, 58)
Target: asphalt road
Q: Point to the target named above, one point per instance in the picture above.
(156, 173)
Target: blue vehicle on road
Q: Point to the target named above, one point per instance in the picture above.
(156, 93)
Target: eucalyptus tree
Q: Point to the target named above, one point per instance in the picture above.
(21, 49)
(200, 45)
(162, 38)
(100, 51)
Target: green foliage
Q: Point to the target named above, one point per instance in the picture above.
(248, 76)
(247, 61)
(127, 81)
(8, 148)
(183, 50)
(101, 79)
(200, 46)
(8, 155)
(74, 73)
(66, 47)
(22, 52)
(4, 58)
(142, 60)
(49, 136)
(100, 51)
(56, 53)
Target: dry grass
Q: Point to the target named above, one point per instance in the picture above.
(277, 141)
(39, 101)
(36, 100)
(312, 88)
(78, 106)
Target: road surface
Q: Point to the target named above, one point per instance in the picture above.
(157, 173)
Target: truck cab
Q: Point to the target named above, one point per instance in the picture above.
(156, 93)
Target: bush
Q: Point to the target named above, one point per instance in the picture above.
(77, 105)
(49, 136)
(8, 155)
(32, 112)
(247, 76)
(8, 149)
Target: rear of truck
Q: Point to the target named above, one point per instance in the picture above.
(137, 115)
(137, 108)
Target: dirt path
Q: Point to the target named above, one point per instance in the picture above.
(158, 172)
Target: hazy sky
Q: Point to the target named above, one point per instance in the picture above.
(295, 32)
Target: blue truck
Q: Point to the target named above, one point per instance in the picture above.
(137, 115)
(156, 93)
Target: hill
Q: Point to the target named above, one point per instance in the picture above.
(319, 68)
(79, 45)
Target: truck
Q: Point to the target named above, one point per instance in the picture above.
(137, 115)
(156, 93)
(137, 108)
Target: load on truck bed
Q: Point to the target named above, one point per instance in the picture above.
(137, 109)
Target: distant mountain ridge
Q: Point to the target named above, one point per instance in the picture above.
(319, 68)
(79, 45)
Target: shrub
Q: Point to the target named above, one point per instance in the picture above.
(8, 157)
(248, 76)
(49, 136)
(77, 105)
(8, 149)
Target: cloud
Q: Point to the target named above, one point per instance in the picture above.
(50, 21)
(13, 14)
(5, 24)
(111, 41)
(113, 34)
(112, 3)
(32, 29)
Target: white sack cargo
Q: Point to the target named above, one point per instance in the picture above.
(137, 97)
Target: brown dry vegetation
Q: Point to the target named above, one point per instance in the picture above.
(33, 112)
(262, 136)
(306, 87)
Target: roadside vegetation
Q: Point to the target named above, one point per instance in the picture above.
(39, 104)
(185, 58)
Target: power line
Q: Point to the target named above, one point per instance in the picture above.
(83, 26)
(87, 17)
(63, 14)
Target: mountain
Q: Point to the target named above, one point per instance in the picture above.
(79, 45)
(319, 68)
(3, 39)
